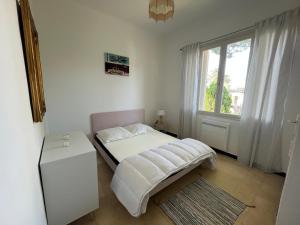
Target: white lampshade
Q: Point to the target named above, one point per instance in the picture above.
(161, 112)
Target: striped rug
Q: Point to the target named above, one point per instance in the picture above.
(203, 204)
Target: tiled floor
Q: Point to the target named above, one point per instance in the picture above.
(251, 186)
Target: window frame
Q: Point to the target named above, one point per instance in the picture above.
(223, 42)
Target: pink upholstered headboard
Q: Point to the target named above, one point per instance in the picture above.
(104, 120)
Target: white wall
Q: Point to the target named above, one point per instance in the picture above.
(21, 200)
(73, 39)
(216, 24)
(292, 106)
(288, 212)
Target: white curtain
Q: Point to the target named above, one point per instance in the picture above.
(266, 91)
(190, 84)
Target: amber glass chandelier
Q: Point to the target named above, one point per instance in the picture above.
(161, 10)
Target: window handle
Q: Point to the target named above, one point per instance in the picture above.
(295, 121)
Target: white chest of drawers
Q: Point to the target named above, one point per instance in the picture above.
(68, 169)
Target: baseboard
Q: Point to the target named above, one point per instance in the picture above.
(224, 153)
(282, 174)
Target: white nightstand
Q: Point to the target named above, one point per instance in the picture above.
(69, 177)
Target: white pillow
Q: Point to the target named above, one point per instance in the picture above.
(139, 128)
(113, 134)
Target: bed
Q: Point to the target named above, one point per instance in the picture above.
(115, 152)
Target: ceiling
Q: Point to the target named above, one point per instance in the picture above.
(136, 11)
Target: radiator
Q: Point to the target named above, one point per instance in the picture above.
(215, 133)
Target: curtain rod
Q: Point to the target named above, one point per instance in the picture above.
(223, 36)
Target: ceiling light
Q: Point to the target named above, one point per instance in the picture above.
(161, 10)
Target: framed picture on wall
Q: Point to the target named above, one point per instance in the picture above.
(29, 36)
(116, 64)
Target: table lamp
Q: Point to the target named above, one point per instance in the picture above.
(159, 124)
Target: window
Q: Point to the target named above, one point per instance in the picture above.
(223, 76)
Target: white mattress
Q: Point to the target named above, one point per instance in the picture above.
(121, 149)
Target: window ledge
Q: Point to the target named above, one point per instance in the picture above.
(220, 115)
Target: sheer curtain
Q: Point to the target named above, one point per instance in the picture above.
(266, 91)
(189, 91)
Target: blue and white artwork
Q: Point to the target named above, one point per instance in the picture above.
(116, 64)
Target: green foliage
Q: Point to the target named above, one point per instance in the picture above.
(226, 101)
(238, 47)
(235, 47)
(210, 98)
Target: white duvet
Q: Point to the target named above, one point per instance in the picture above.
(137, 175)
